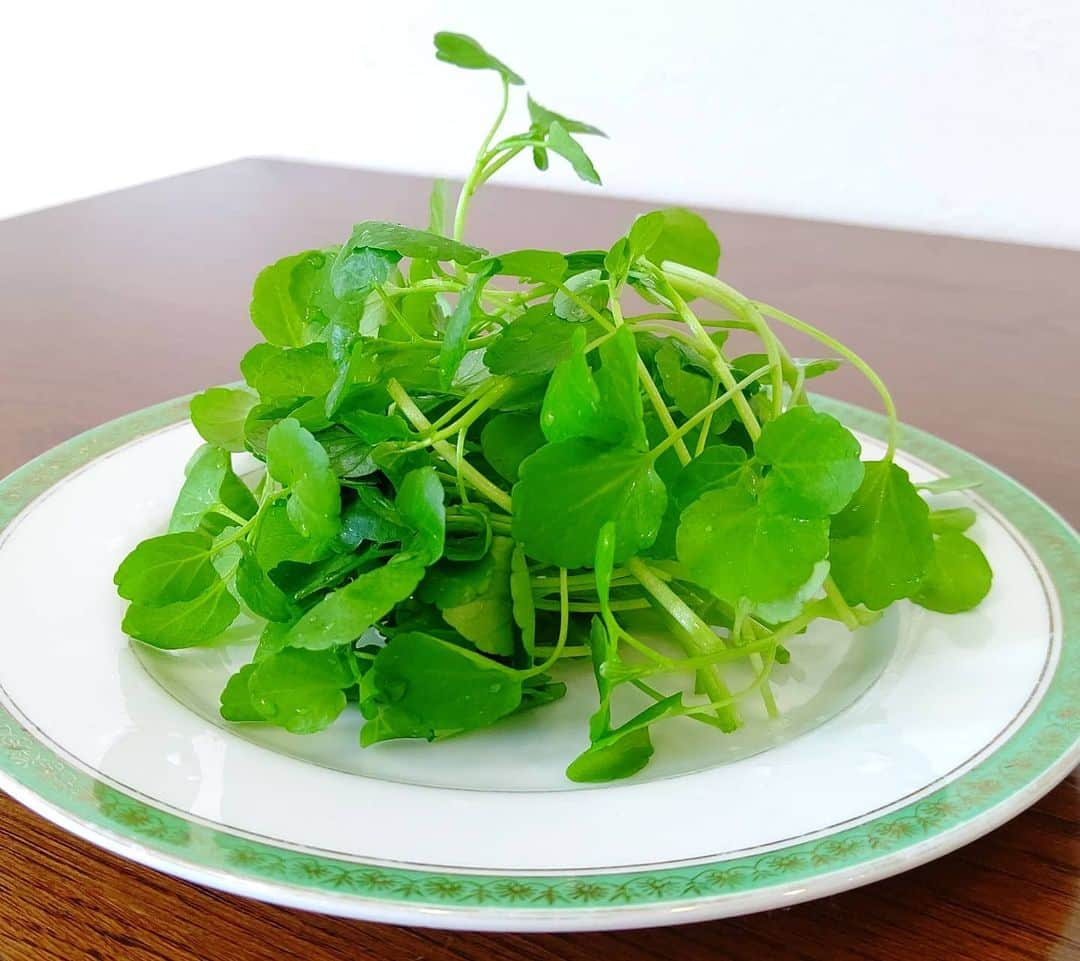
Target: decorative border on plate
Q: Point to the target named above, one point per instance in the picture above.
(1048, 740)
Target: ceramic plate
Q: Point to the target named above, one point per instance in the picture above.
(898, 744)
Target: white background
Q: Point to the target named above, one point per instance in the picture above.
(958, 116)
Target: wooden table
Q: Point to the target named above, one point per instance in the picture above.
(120, 301)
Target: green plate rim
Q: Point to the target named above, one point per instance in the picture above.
(1047, 744)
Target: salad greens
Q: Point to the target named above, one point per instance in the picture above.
(479, 466)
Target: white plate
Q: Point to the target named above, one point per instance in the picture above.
(898, 743)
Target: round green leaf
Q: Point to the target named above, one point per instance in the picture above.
(958, 577)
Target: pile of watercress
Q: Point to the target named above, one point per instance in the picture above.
(478, 466)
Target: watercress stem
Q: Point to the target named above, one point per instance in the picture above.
(474, 179)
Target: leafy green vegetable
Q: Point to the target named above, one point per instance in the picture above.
(958, 577)
(766, 555)
(219, 415)
(302, 691)
(463, 51)
(814, 463)
(881, 542)
(469, 455)
(162, 570)
(571, 489)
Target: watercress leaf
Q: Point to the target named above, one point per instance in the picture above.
(442, 686)
(720, 465)
(409, 242)
(161, 570)
(452, 584)
(421, 503)
(397, 462)
(569, 490)
(183, 623)
(437, 207)
(522, 605)
(687, 386)
(543, 118)
(620, 394)
(486, 618)
(736, 549)
(685, 239)
(776, 612)
(459, 326)
(302, 691)
(342, 616)
(581, 260)
(462, 51)
(209, 482)
(282, 373)
(560, 142)
(370, 517)
(617, 260)
(534, 343)
(271, 640)
(958, 576)
(952, 519)
(946, 485)
(219, 414)
(540, 158)
(613, 760)
(297, 460)
(571, 406)
(811, 367)
(813, 460)
(507, 439)
(278, 540)
(236, 703)
(262, 596)
(590, 287)
(644, 232)
(359, 269)
(349, 455)
(881, 542)
(540, 266)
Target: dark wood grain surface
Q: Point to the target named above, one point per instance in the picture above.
(120, 301)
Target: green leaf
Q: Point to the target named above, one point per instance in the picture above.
(507, 439)
(462, 51)
(543, 118)
(881, 542)
(297, 460)
(569, 490)
(302, 691)
(409, 242)
(686, 385)
(341, 617)
(162, 570)
(620, 393)
(811, 367)
(374, 428)
(236, 702)
(539, 266)
(359, 269)
(958, 577)
(278, 540)
(219, 414)
(685, 239)
(261, 594)
(293, 300)
(571, 405)
(814, 463)
(535, 342)
(370, 517)
(283, 373)
(721, 465)
(209, 482)
(183, 623)
(522, 605)
(420, 502)
(736, 549)
(612, 761)
(952, 519)
(486, 618)
(644, 232)
(441, 686)
(452, 584)
(560, 141)
(437, 207)
(459, 326)
(349, 456)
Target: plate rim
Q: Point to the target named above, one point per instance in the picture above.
(1038, 755)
